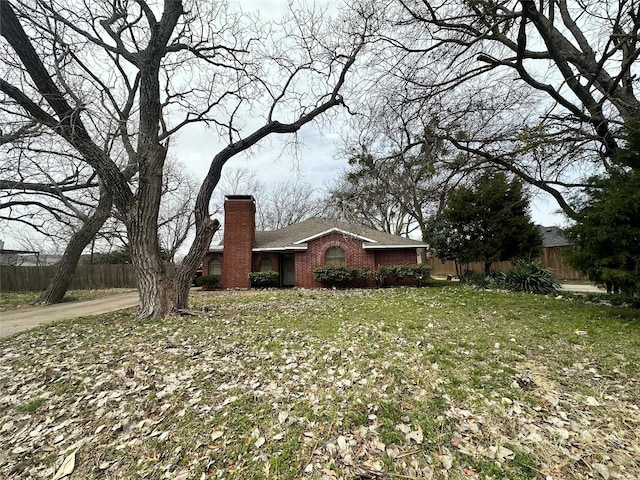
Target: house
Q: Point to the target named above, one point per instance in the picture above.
(553, 237)
(295, 251)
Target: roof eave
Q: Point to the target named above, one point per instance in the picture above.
(389, 247)
(284, 248)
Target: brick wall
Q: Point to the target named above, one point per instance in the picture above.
(239, 236)
(355, 256)
(396, 257)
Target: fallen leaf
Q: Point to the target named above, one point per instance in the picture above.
(504, 453)
(592, 402)
(415, 435)
(602, 470)
(67, 466)
(403, 428)
(282, 416)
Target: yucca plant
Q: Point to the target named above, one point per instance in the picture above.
(530, 277)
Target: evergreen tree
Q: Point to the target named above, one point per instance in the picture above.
(487, 222)
(607, 236)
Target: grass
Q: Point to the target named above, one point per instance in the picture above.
(15, 300)
(441, 382)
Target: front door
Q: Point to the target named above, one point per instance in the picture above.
(288, 269)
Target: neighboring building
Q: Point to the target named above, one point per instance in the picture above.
(553, 237)
(295, 251)
(554, 248)
(19, 258)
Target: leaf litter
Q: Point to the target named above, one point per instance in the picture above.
(311, 384)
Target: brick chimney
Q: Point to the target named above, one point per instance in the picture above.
(239, 236)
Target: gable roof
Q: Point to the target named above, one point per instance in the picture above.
(297, 236)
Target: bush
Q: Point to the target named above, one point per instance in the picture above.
(264, 279)
(530, 277)
(418, 271)
(207, 281)
(495, 280)
(338, 276)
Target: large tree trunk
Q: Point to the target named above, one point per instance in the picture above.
(152, 276)
(59, 284)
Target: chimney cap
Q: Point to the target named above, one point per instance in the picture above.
(240, 197)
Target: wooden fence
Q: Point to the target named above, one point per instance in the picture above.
(86, 277)
(551, 258)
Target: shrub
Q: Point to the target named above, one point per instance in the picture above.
(418, 271)
(207, 281)
(264, 279)
(530, 277)
(480, 280)
(338, 276)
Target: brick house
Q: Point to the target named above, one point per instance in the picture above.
(295, 251)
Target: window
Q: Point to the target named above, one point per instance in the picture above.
(334, 256)
(265, 265)
(215, 268)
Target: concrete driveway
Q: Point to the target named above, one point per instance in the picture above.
(22, 319)
(579, 288)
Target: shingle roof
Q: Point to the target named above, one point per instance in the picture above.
(297, 235)
(553, 237)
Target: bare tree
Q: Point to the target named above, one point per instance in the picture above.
(542, 89)
(286, 203)
(397, 181)
(131, 74)
(277, 205)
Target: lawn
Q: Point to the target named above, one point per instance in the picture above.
(443, 383)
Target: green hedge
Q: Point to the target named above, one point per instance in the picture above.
(209, 280)
(264, 279)
(392, 273)
(338, 276)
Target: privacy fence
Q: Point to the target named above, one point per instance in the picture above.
(551, 258)
(86, 277)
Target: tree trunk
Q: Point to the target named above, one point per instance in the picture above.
(190, 263)
(487, 268)
(153, 279)
(59, 284)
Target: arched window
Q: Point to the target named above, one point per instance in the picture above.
(266, 265)
(334, 256)
(215, 268)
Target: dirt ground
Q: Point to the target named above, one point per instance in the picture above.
(26, 318)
